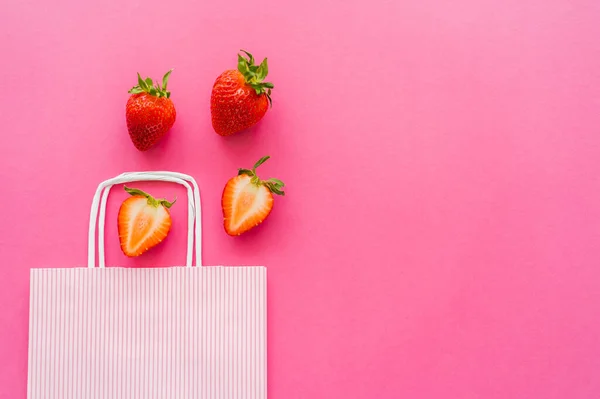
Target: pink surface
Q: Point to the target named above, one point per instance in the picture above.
(441, 233)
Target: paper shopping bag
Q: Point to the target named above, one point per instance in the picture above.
(168, 333)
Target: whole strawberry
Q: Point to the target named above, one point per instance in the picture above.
(240, 98)
(150, 112)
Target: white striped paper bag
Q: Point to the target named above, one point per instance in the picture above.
(164, 333)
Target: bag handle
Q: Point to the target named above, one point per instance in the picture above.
(99, 207)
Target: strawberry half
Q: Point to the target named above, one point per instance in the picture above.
(240, 98)
(247, 200)
(143, 222)
(150, 112)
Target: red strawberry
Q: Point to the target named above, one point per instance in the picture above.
(143, 222)
(247, 200)
(150, 112)
(240, 98)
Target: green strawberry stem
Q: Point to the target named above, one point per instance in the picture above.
(274, 185)
(147, 86)
(255, 74)
(151, 200)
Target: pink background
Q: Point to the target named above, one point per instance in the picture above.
(441, 233)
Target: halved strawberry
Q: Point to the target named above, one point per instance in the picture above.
(143, 222)
(247, 200)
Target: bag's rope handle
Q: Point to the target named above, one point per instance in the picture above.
(103, 189)
(99, 205)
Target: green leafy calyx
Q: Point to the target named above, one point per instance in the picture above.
(255, 74)
(147, 86)
(274, 185)
(151, 200)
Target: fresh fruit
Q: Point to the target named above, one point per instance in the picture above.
(247, 200)
(143, 222)
(240, 98)
(150, 112)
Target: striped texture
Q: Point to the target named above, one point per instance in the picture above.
(168, 333)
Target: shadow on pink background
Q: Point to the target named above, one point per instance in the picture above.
(441, 233)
